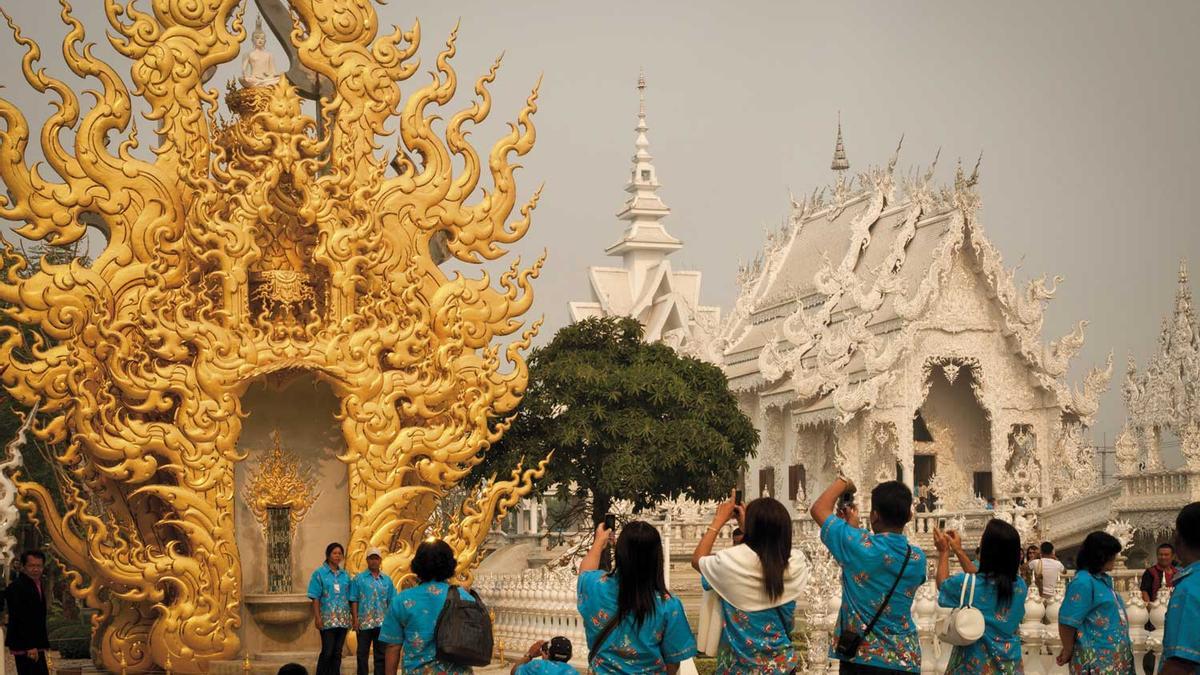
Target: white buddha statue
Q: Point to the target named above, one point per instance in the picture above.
(258, 67)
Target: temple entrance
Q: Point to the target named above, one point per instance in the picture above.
(291, 440)
(953, 468)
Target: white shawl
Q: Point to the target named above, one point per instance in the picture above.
(735, 575)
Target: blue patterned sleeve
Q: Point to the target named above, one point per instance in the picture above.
(951, 590)
(678, 642)
(845, 542)
(1078, 603)
(392, 630)
(314, 585)
(585, 589)
(1178, 641)
(353, 592)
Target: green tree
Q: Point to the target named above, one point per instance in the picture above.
(625, 419)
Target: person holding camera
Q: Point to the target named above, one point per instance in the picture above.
(546, 658)
(633, 625)
(881, 572)
(756, 584)
(998, 592)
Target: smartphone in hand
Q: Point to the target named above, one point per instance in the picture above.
(737, 497)
(610, 522)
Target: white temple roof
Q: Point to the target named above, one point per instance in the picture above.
(837, 296)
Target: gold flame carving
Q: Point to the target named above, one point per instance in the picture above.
(278, 481)
(275, 242)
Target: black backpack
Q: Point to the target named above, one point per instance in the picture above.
(463, 635)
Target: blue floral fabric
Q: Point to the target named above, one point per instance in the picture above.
(1093, 608)
(411, 621)
(999, 650)
(546, 667)
(755, 642)
(870, 563)
(1179, 641)
(374, 596)
(664, 637)
(333, 590)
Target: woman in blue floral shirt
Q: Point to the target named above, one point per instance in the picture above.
(411, 620)
(649, 633)
(329, 590)
(999, 595)
(1092, 622)
(756, 585)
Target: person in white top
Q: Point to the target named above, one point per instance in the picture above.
(1046, 570)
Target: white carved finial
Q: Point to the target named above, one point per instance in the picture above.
(840, 162)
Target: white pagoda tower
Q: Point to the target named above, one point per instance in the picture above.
(645, 287)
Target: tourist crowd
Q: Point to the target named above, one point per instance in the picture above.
(634, 625)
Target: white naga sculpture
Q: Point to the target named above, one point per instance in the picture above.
(258, 67)
(9, 514)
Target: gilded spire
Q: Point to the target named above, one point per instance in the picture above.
(840, 163)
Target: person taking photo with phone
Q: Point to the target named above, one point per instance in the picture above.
(749, 605)
(633, 625)
(881, 572)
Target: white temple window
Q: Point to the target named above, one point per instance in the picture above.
(766, 482)
(796, 481)
(646, 175)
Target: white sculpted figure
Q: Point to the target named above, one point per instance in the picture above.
(258, 67)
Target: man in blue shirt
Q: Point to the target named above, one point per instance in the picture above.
(1181, 641)
(871, 564)
(370, 595)
(546, 658)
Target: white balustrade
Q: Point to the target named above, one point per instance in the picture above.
(533, 605)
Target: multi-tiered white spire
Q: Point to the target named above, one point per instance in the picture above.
(666, 301)
(645, 242)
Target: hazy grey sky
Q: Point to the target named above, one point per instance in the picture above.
(1088, 114)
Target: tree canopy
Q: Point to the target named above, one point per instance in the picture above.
(625, 419)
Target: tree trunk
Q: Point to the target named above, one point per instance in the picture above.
(601, 503)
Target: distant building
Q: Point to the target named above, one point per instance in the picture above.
(646, 287)
(879, 334)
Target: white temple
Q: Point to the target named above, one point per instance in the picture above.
(880, 333)
(646, 287)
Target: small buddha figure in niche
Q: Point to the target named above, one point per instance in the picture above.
(258, 67)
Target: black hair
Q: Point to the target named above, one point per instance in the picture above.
(292, 669)
(737, 532)
(1000, 557)
(892, 501)
(1167, 545)
(33, 553)
(330, 548)
(640, 580)
(558, 649)
(769, 534)
(434, 561)
(1047, 548)
(1187, 526)
(1097, 549)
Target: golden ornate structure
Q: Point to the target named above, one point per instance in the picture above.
(279, 481)
(278, 242)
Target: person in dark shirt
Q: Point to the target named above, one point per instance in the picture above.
(1156, 577)
(27, 637)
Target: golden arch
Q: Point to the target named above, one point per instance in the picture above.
(276, 241)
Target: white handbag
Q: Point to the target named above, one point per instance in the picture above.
(965, 624)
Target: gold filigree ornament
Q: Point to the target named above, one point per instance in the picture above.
(139, 360)
(279, 481)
